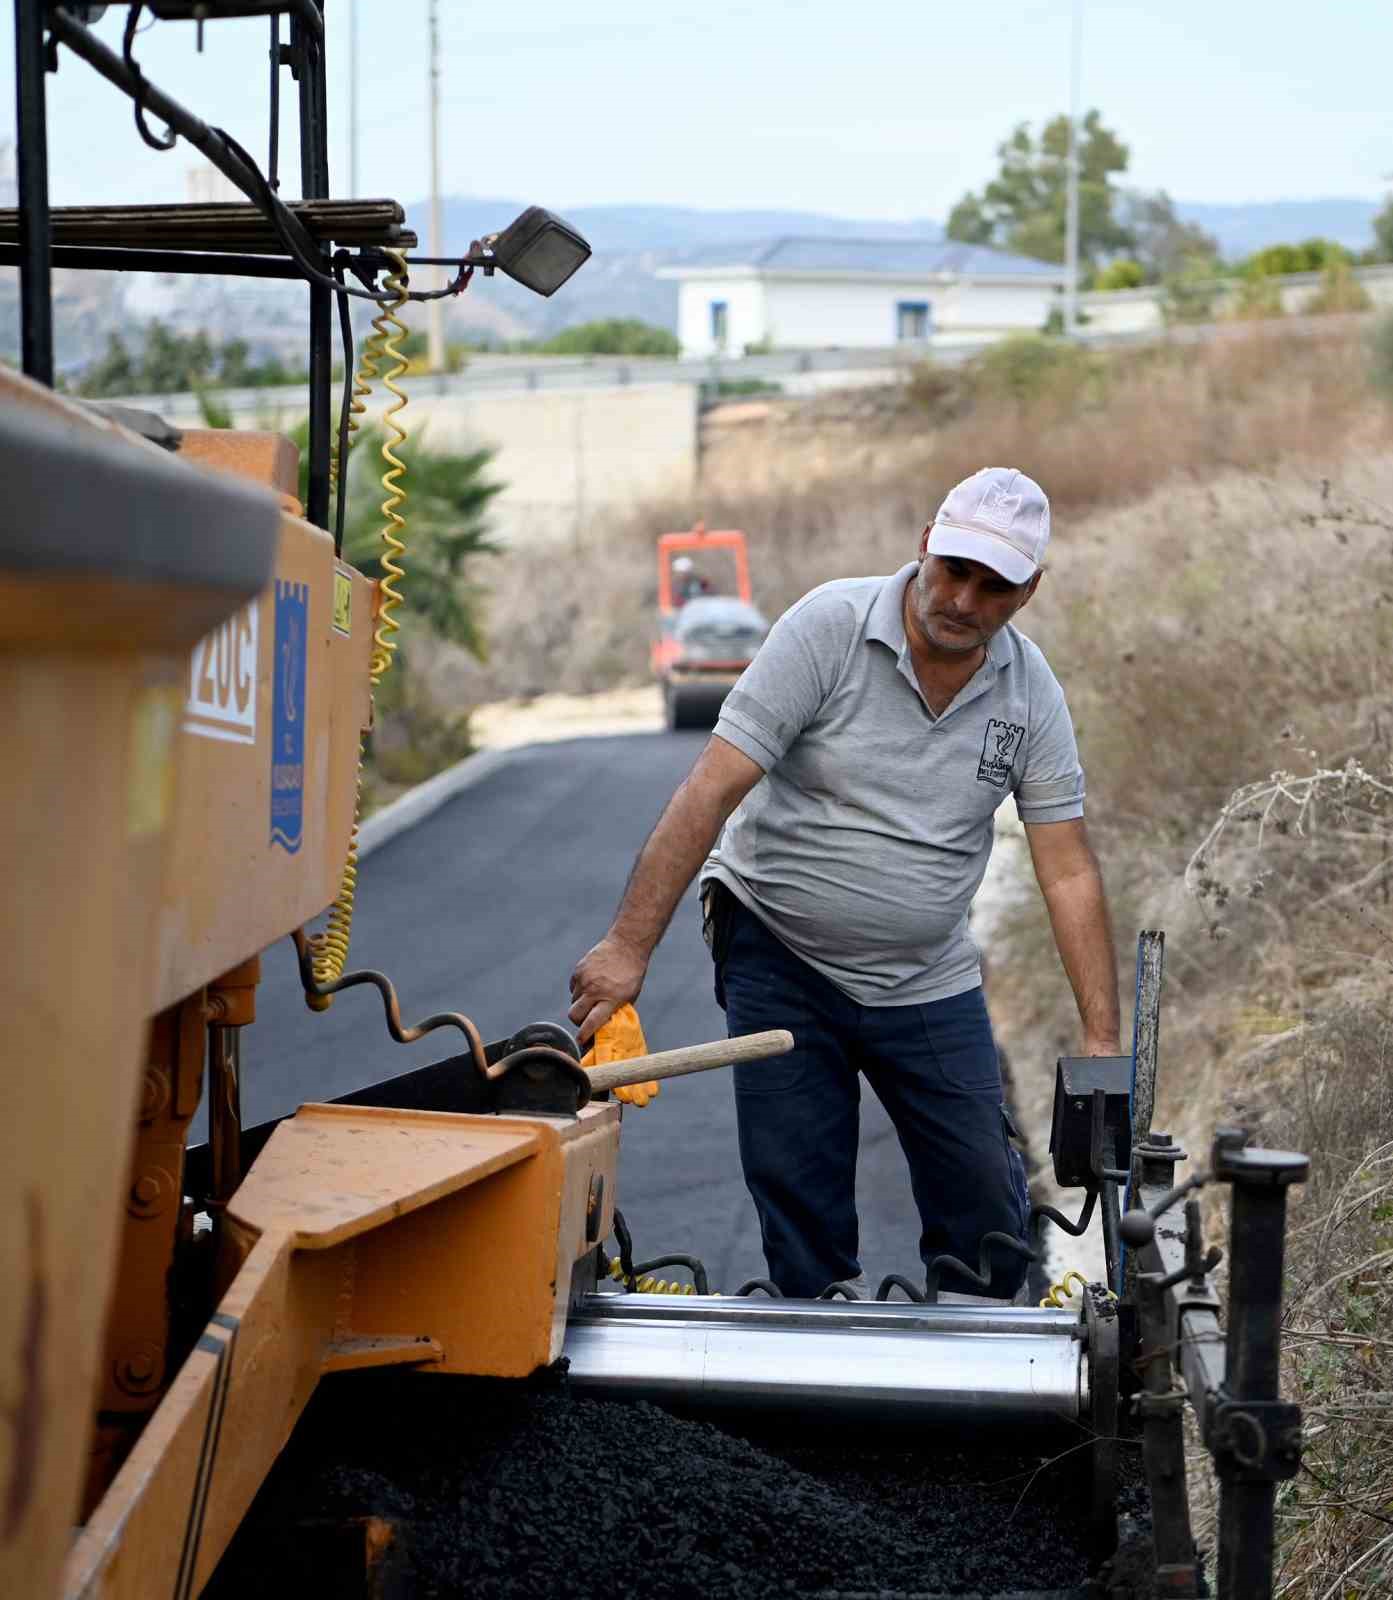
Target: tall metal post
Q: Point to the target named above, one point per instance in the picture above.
(308, 53)
(352, 99)
(31, 141)
(435, 308)
(1255, 1436)
(1146, 1040)
(1071, 214)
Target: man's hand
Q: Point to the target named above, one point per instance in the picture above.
(612, 974)
(607, 976)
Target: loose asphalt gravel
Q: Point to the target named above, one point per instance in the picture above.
(503, 1491)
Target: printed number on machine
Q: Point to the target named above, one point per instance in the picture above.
(222, 681)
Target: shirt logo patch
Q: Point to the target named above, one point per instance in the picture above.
(999, 746)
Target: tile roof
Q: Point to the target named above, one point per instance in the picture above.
(898, 257)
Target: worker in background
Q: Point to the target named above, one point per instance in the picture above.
(851, 783)
(687, 582)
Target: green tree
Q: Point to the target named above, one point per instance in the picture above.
(1162, 243)
(1023, 208)
(612, 336)
(113, 373)
(1311, 255)
(165, 367)
(446, 510)
(1124, 273)
(1383, 232)
(170, 362)
(1191, 290)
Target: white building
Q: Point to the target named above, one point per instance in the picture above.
(801, 294)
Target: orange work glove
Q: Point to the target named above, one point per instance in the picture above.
(621, 1039)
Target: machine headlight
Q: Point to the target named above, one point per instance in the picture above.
(537, 250)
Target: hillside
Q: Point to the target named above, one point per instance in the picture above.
(630, 243)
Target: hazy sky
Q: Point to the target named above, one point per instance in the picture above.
(873, 108)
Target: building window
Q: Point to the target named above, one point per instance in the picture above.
(719, 322)
(912, 320)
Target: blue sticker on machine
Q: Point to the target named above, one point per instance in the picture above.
(288, 716)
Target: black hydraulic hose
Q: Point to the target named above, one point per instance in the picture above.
(345, 409)
(895, 1280)
(696, 1267)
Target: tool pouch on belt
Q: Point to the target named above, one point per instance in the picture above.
(717, 912)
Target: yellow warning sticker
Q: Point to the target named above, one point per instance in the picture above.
(343, 601)
(150, 760)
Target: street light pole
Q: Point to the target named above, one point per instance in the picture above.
(436, 308)
(1071, 215)
(353, 99)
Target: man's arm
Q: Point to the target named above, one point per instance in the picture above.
(612, 973)
(1067, 872)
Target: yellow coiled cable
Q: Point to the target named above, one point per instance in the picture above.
(329, 949)
(1060, 1293)
(648, 1284)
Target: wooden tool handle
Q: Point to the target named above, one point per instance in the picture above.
(691, 1058)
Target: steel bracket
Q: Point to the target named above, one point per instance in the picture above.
(1261, 1439)
(1160, 1405)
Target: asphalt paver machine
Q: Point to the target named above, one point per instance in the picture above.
(186, 674)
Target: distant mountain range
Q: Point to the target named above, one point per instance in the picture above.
(629, 242)
(1241, 229)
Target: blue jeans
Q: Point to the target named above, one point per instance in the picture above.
(933, 1067)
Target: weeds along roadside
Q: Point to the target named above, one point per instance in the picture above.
(825, 495)
(1228, 650)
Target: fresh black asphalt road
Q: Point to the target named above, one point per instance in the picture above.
(484, 907)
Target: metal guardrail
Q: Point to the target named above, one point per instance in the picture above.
(491, 374)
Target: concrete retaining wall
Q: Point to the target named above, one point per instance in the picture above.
(563, 455)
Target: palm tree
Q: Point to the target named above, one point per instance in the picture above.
(446, 511)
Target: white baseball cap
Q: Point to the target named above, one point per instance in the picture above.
(999, 517)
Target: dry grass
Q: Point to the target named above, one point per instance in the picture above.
(1336, 1520)
(1227, 651)
(1208, 638)
(831, 499)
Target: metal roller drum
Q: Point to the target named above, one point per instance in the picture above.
(860, 1360)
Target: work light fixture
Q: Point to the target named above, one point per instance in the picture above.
(537, 250)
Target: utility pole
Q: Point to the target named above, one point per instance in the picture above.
(353, 99)
(1071, 215)
(435, 308)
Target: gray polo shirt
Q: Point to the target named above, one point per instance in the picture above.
(866, 840)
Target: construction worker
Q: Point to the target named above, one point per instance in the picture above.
(688, 583)
(851, 783)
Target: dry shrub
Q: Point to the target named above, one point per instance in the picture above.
(1336, 1519)
(1096, 431)
(1226, 650)
(1174, 412)
(1207, 638)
